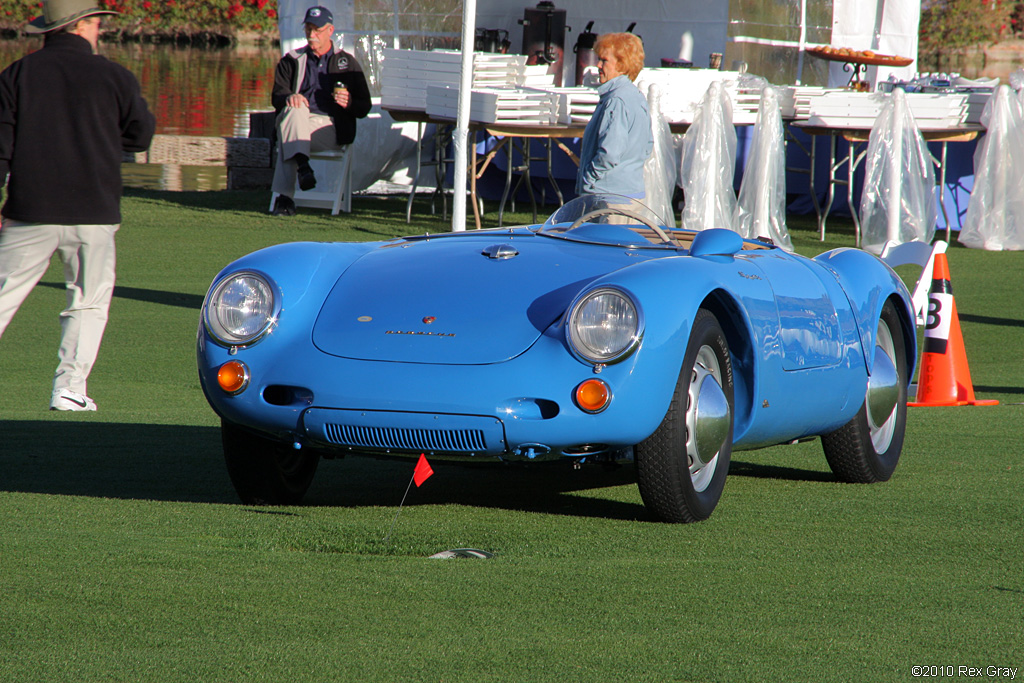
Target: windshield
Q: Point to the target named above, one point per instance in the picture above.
(609, 219)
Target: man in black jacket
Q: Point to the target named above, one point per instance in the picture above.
(319, 92)
(67, 116)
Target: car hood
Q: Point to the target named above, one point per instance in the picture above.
(446, 300)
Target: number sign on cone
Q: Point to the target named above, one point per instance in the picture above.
(945, 379)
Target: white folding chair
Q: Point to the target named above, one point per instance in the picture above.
(917, 253)
(333, 169)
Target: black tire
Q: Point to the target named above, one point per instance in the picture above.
(670, 490)
(866, 450)
(266, 472)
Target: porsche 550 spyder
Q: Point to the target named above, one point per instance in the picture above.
(599, 336)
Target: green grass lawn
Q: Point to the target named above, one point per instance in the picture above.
(125, 556)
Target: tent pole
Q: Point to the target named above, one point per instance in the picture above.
(462, 118)
(803, 42)
(395, 12)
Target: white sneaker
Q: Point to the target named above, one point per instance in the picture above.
(65, 399)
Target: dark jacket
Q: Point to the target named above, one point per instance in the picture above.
(66, 118)
(341, 67)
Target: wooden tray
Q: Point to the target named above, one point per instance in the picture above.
(855, 58)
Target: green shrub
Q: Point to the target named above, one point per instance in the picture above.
(960, 24)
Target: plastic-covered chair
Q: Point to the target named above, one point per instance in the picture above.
(995, 211)
(660, 170)
(708, 164)
(898, 200)
(761, 207)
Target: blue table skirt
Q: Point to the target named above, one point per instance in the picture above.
(957, 189)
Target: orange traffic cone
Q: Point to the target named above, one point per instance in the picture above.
(945, 379)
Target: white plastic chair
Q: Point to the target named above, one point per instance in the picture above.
(333, 168)
(918, 253)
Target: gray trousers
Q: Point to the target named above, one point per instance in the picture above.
(88, 255)
(299, 132)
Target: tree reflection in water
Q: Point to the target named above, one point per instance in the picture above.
(192, 91)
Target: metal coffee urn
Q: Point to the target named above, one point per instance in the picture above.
(491, 40)
(544, 37)
(584, 49)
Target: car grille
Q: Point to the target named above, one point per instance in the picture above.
(376, 431)
(390, 438)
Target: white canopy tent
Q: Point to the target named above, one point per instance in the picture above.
(886, 26)
(676, 29)
(693, 29)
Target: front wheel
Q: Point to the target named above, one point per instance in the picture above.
(266, 472)
(681, 467)
(867, 448)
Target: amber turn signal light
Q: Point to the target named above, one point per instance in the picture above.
(233, 376)
(593, 395)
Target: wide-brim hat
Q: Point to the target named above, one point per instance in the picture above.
(59, 13)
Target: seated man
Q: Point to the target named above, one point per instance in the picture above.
(319, 92)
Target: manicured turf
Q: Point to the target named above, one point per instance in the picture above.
(125, 556)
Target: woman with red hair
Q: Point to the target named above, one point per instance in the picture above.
(618, 139)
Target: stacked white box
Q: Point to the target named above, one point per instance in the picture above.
(574, 105)
(976, 102)
(536, 76)
(745, 103)
(795, 100)
(406, 74)
(683, 89)
(846, 108)
(497, 70)
(494, 105)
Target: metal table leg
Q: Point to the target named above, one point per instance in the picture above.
(942, 189)
(416, 175)
(832, 181)
(524, 170)
(551, 173)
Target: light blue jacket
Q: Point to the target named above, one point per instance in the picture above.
(616, 142)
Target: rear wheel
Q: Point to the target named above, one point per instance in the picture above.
(266, 472)
(681, 468)
(867, 448)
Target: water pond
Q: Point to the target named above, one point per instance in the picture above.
(191, 91)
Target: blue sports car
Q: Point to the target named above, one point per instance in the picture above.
(599, 336)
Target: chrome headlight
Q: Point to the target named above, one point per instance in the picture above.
(241, 308)
(604, 326)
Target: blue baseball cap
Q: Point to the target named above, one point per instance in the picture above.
(319, 17)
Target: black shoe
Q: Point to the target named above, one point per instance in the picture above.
(307, 181)
(284, 206)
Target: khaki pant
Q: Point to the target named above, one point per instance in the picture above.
(88, 255)
(299, 132)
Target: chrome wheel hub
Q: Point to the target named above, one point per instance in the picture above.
(708, 417)
(883, 391)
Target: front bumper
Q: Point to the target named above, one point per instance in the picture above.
(520, 409)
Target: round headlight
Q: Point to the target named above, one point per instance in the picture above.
(604, 326)
(241, 308)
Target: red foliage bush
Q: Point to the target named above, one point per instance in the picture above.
(165, 17)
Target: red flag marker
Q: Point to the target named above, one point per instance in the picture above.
(423, 470)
